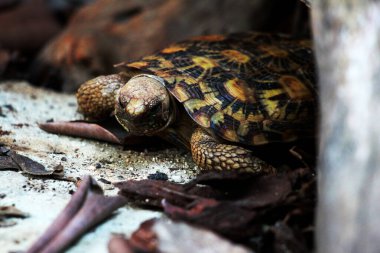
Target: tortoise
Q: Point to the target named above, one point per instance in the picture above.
(218, 95)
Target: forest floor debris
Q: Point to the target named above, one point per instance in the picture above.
(43, 198)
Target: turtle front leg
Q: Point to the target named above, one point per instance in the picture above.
(210, 155)
(96, 97)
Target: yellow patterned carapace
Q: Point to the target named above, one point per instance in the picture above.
(249, 88)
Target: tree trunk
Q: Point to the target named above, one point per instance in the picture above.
(347, 41)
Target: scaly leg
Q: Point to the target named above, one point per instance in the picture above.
(96, 97)
(211, 155)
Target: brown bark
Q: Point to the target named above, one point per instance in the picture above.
(347, 36)
(26, 26)
(107, 32)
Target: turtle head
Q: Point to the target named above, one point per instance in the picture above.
(143, 105)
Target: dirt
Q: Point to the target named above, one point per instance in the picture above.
(22, 107)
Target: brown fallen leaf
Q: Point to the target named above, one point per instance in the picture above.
(10, 212)
(237, 206)
(108, 130)
(150, 193)
(253, 192)
(87, 208)
(230, 210)
(28, 165)
(84, 129)
(247, 190)
(244, 217)
(164, 236)
(7, 163)
(225, 218)
(10, 160)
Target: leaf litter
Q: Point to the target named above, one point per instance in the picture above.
(269, 213)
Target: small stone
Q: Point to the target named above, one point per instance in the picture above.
(63, 159)
(158, 176)
(104, 181)
(98, 166)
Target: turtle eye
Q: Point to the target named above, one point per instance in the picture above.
(121, 101)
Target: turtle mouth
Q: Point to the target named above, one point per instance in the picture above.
(147, 124)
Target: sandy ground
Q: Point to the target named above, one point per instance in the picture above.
(23, 107)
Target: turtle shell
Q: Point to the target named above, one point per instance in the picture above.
(250, 88)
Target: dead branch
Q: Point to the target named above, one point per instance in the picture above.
(347, 36)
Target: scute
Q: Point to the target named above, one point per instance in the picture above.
(250, 88)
